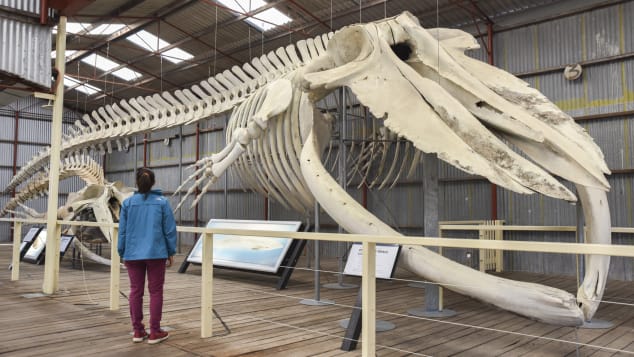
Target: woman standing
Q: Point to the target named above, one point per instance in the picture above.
(147, 243)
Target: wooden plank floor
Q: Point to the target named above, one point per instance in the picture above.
(265, 322)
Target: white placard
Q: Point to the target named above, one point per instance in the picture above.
(386, 256)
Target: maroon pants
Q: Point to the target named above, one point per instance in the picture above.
(156, 277)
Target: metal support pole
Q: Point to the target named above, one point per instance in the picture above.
(317, 301)
(432, 307)
(343, 174)
(180, 173)
(51, 265)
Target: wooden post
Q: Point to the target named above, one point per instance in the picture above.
(206, 296)
(15, 265)
(368, 305)
(51, 265)
(115, 270)
(499, 254)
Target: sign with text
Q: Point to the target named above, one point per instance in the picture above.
(247, 252)
(386, 256)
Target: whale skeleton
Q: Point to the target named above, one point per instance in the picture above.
(431, 98)
(98, 201)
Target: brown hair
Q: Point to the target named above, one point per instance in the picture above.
(144, 180)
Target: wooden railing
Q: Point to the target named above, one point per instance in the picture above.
(369, 264)
(488, 259)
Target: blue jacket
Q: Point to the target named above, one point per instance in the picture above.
(147, 229)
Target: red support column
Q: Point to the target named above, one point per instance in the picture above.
(15, 149)
(144, 150)
(494, 188)
(196, 168)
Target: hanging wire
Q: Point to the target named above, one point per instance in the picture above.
(105, 86)
(215, 41)
(360, 1)
(385, 9)
(76, 91)
(331, 15)
(438, 36)
(290, 28)
(161, 56)
(249, 27)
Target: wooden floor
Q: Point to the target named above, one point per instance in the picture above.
(265, 322)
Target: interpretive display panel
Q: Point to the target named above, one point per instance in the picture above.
(247, 252)
(386, 256)
(28, 240)
(35, 253)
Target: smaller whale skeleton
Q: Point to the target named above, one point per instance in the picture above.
(426, 92)
(98, 201)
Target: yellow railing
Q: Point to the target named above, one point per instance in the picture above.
(369, 252)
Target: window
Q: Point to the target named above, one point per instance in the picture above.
(106, 65)
(264, 20)
(84, 88)
(152, 43)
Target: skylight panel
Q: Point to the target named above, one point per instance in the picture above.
(83, 87)
(152, 43)
(106, 65)
(106, 29)
(100, 62)
(272, 18)
(242, 5)
(74, 27)
(176, 55)
(127, 74)
(265, 20)
(66, 53)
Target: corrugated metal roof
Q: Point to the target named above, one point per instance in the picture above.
(192, 26)
(32, 6)
(26, 51)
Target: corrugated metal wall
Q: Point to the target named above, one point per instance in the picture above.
(25, 45)
(604, 88)
(33, 135)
